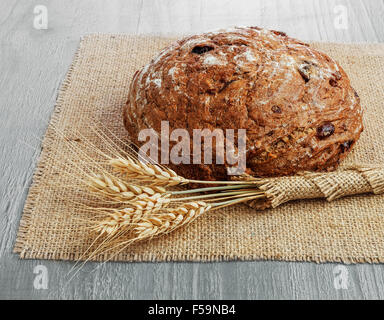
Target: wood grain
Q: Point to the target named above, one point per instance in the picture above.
(32, 65)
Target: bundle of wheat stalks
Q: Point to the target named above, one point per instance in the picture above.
(149, 205)
(134, 200)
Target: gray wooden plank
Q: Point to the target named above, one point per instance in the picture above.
(32, 66)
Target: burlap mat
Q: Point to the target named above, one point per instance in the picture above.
(349, 229)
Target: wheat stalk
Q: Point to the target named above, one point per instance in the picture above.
(145, 222)
(160, 175)
(117, 189)
(153, 173)
(147, 212)
(149, 208)
(143, 206)
(116, 220)
(154, 225)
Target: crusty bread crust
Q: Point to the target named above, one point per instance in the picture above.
(296, 103)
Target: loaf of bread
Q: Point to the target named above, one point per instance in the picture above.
(296, 103)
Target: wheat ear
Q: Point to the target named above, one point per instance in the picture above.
(117, 189)
(122, 220)
(150, 226)
(155, 225)
(148, 172)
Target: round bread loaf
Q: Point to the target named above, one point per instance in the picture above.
(296, 103)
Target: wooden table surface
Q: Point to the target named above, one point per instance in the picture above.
(33, 64)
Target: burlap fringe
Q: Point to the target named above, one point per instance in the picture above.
(352, 180)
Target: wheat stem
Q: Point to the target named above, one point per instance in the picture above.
(220, 205)
(213, 195)
(238, 196)
(250, 182)
(198, 190)
(147, 172)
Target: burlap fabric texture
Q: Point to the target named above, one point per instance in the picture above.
(349, 229)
